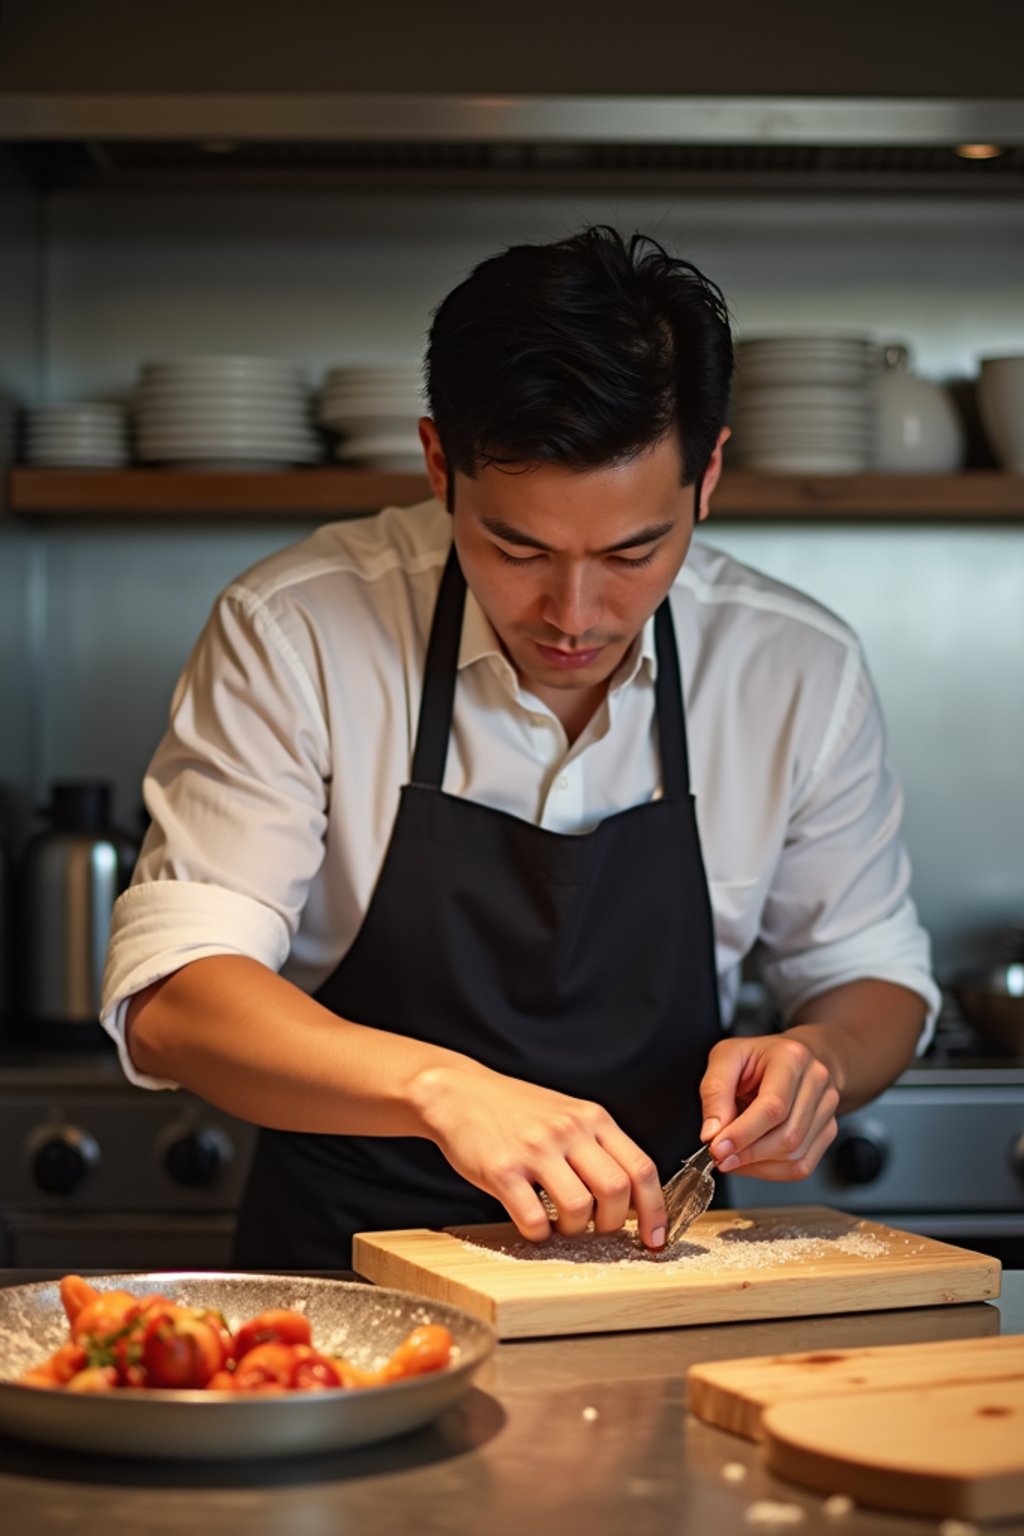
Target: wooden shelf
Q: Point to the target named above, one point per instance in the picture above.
(138, 494)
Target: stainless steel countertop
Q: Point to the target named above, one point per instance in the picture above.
(517, 1454)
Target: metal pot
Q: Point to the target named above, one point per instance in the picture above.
(992, 1002)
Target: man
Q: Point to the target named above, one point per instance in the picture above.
(435, 768)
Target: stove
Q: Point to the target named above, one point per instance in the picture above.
(941, 1152)
(96, 1173)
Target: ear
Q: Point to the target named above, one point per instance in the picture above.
(436, 463)
(713, 473)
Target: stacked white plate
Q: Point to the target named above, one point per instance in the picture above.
(373, 411)
(804, 404)
(86, 436)
(224, 413)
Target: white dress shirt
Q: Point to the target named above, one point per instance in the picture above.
(274, 791)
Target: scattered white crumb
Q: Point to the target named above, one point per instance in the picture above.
(957, 1528)
(837, 1506)
(734, 1471)
(741, 1246)
(768, 1513)
(591, 1414)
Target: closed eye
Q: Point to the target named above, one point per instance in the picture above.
(515, 559)
(637, 560)
(634, 562)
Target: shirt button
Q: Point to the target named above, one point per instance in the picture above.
(538, 719)
(563, 782)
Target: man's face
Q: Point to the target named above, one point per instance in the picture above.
(569, 565)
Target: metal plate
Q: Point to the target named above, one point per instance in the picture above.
(364, 1323)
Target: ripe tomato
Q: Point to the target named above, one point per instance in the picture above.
(108, 1312)
(182, 1352)
(67, 1362)
(278, 1326)
(221, 1381)
(314, 1373)
(268, 1366)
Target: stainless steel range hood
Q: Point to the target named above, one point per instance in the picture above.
(490, 139)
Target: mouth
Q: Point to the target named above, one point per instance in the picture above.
(571, 661)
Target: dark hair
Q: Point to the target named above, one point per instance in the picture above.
(583, 352)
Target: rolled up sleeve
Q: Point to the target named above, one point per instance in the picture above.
(237, 794)
(838, 907)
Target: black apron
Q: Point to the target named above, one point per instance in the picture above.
(584, 963)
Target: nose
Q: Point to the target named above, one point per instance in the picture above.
(572, 600)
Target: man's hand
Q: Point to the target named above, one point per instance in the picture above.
(770, 1101)
(769, 1107)
(507, 1137)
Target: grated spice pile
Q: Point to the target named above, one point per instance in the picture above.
(738, 1247)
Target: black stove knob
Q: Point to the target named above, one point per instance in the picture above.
(197, 1157)
(859, 1158)
(1017, 1157)
(63, 1161)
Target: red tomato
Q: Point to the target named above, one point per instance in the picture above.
(221, 1381)
(180, 1352)
(268, 1365)
(107, 1313)
(278, 1326)
(67, 1362)
(314, 1373)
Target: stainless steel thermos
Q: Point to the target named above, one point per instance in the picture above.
(74, 871)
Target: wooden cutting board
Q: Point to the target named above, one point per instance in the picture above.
(735, 1394)
(732, 1266)
(940, 1451)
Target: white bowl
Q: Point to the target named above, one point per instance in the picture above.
(803, 370)
(78, 458)
(224, 416)
(203, 392)
(808, 341)
(1001, 407)
(812, 461)
(113, 433)
(227, 366)
(75, 413)
(230, 442)
(794, 434)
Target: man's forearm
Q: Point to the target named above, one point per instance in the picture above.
(866, 1032)
(242, 1037)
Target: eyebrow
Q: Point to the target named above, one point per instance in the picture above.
(510, 535)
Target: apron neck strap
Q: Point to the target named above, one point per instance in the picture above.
(439, 674)
(441, 670)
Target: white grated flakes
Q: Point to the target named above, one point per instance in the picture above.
(957, 1528)
(734, 1472)
(741, 1246)
(771, 1515)
(590, 1414)
(838, 1506)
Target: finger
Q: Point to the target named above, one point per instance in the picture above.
(815, 1103)
(522, 1203)
(570, 1196)
(790, 1171)
(644, 1185)
(608, 1182)
(727, 1062)
(770, 1108)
